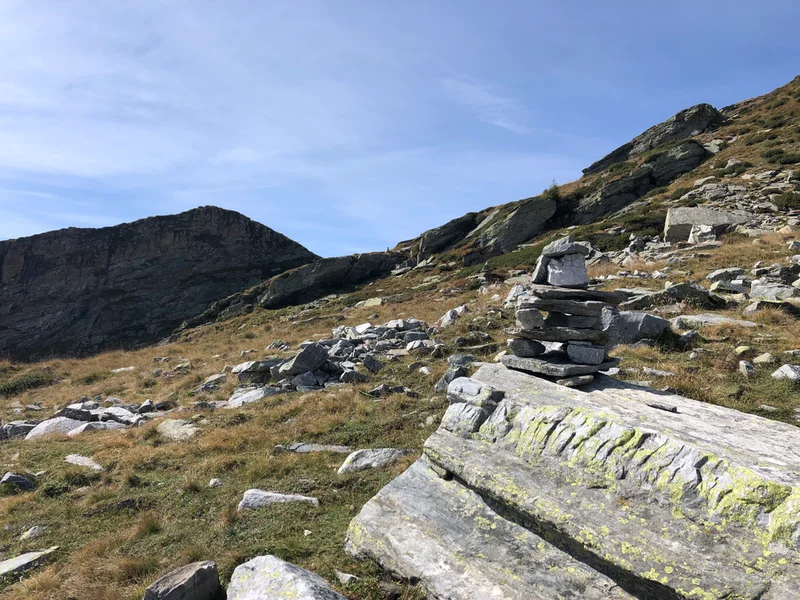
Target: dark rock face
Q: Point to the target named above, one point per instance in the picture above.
(440, 238)
(83, 290)
(687, 123)
(657, 171)
(304, 284)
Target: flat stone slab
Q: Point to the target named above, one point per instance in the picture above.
(706, 319)
(564, 334)
(83, 461)
(246, 395)
(25, 562)
(554, 366)
(585, 308)
(303, 448)
(667, 497)
(258, 498)
(559, 293)
(424, 528)
(177, 430)
(371, 458)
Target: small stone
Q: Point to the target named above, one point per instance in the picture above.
(215, 483)
(255, 498)
(176, 429)
(32, 533)
(746, 368)
(790, 372)
(529, 318)
(525, 348)
(346, 578)
(268, 577)
(742, 350)
(764, 359)
(586, 354)
(25, 562)
(371, 363)
(576, 381)
(17, 482)
(83, 461)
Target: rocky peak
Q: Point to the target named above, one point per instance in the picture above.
(82, 290)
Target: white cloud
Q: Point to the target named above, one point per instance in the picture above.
(489, 106)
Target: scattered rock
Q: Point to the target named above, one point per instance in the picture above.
(256, 498)
(373, 458)
(268, 578)
(790, 372)
(746, 368)
(197, 581)
(56, 426)
(18, 482)
(176, 430)
(25, 562)
(303, 448)
(83, 461)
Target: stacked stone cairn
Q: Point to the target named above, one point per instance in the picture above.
(559, 331)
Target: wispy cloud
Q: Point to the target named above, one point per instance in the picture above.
(488, 105)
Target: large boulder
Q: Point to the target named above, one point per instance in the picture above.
(629, 327)
(56, 426)
(614, 492)
(270, 578)
(681, 219)
(82, 290)
(687, 123)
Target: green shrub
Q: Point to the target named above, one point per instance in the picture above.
(773, 152)
(678, 192)
(787, 201)
(736, 169)
(786, 159)
(757, 138)
(29, 381)
(620, 167)
(552, 192)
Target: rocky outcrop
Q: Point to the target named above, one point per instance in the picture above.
(687, 123)
(441, 238)
(680, 221)
(530, 490)
(658, 170)
(83, 290)
(304, 284)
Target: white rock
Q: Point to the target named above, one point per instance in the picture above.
(176, 429)
(567, 271)
(215, 483)
(58, 425)
(790, 372)
(32, 533)
(83, 461)
(371, 458)
(256, 498)
(25, 562)
(270, 578)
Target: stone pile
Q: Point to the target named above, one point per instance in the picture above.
(567, 343)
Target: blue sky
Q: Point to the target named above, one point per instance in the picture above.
(354, 124)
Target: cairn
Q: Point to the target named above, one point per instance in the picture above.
(559, 327)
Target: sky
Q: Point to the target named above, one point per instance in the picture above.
(349, 125)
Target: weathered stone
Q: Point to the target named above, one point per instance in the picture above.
(682, 292)
(606, 476)
(442, 238)
(372, 364)
(56, 426)
(25, 562)
(728, 274)
(576, 381)
(257, 498)
(16, 429)
(568, 271)
(557, 293)
(706, 319)
(773, 291)
(525, 348)
(746, 368)
(303, 448)
(176, 429)
(627, 327)
(211, 383)
(564, 334)
(452, 315)
(557, 319)
(554, 367)
(371, 458)
(564, 246)
(539, 274)
(352, 376)
(246, 395)
(586, 354)
(449, 375)
(120, 415)
(17, 481)
(83, 461)
(529, 318)
(310, 358)
(96, 426)
(270, 578)
(587, 308)
(790, 372)
(700, 234)
(680, 221)
(197, 581)
(256, 371)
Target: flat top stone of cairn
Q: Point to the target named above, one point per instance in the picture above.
(560, 293)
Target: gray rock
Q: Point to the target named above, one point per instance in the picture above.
(586, 354)
(211, 383)
(680, 221)
(564, 334)
(256, 371)
(96, 426)
(16, 429)
(564, 246)
(576, 381)
(83, 461)
(452, 315)
(746, 368)
(176, 429)
(310, 358)
(557, 319)
(303, 448)
(773, 291)
(351, 376)
(638, 467)
(790, 372)
(214, 483)
(120, 415)
(529, 318)
(700, 234)
(257, 498)
(372, 364)
(628, 327)
(246, 395)
(442, 238)
(25, 562)
(307, 379)
(706, 319)
(554, 367)
(449, 375)
(460, 360)
(197, 581)
(539, 274)
(146, 407)
(764, 359)
(33, 533)
(587, 308)
(568, 271)
(548, 292)
(525, 348)
(56, 426)
(728, 274)
(371, 458)
(16, 481)
(270, 578)
(682, 292)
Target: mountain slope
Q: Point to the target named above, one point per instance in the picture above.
(81, 290)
